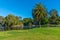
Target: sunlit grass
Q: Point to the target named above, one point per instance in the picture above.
(52, 33)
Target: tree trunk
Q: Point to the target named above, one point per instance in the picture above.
(40, 23)
(48, 25)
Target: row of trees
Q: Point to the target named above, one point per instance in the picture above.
(10, 21)
(42, 16)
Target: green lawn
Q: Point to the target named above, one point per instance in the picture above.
(52, 33)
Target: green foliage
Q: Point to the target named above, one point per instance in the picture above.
(12, 20)
(54, 16)
(40, 17)
(27, 21)
(39, 13)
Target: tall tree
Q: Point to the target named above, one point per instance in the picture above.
(39, 13)
(12, 20)
(1, 21)
(53, 16)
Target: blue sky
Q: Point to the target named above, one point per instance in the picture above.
(23, 8)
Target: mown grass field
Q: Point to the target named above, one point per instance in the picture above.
(52, 33)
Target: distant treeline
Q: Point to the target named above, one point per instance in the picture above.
(40, 16)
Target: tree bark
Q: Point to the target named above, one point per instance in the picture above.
(40, 23)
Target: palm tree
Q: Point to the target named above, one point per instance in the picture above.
(39, 13)
(54, 16)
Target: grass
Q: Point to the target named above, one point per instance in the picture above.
(52, 33)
